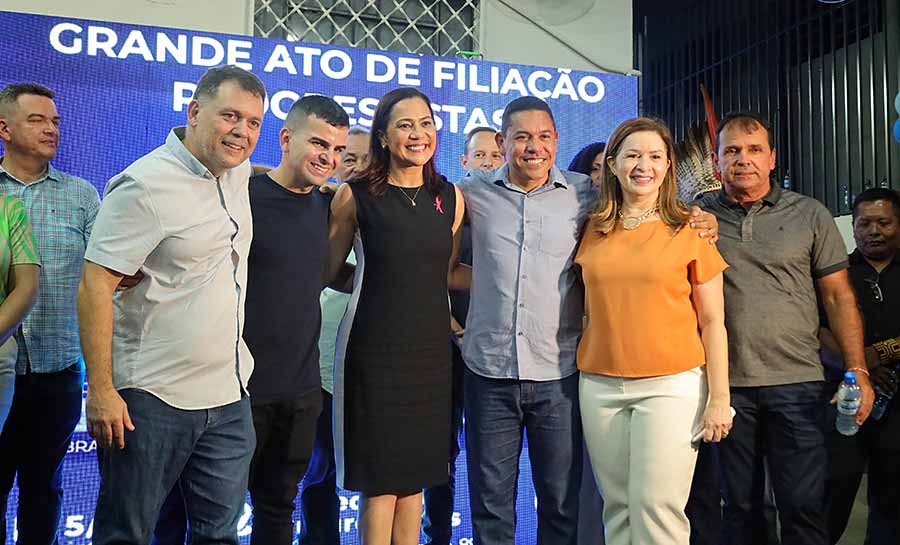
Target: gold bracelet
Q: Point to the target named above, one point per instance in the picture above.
(859, 370)
(888, 350)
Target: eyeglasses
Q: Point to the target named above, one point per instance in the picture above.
(875, 290)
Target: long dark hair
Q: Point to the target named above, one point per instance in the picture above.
(375, 175)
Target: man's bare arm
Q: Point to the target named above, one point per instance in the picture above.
(846, 326)
(107, 414)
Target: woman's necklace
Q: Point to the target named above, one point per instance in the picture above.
(402, 190)
(412, 200)
(635, 221)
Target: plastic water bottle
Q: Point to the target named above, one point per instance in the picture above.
(848, 398)
(882, 400)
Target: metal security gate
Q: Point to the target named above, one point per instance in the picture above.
(824, 74)
(429, 27)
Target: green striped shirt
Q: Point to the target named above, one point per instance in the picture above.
(18, 244)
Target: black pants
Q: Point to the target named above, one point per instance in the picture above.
(437, 519)
(320, 506)
(877, 444)
(45, 411)
(285, 432)
(784, 425)
(704, 507)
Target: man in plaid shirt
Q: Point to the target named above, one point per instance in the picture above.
(47, 400)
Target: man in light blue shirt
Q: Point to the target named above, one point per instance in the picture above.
(522, 330)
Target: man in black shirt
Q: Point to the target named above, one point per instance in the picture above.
(286, 264)
(875, 276)
(320, 516)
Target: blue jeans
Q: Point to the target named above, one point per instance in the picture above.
(206, 451)
(171, 526)
(783, 424)
(499, 412)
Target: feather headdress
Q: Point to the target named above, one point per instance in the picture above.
(694, 169)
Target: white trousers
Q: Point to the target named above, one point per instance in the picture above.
(638, 433)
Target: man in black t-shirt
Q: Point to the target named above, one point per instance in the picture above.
(875, 275)
(320, 515)
(286, 265)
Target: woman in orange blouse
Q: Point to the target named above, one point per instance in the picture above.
(654, 354)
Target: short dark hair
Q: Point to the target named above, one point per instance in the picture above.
(877, 194)
(583, 161)
(524, 104)
(320, 106)
(11, 93)
(748, 121)
(471, 134)
(210, 81)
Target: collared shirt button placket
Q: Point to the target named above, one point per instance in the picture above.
(747, 228)
(523, 274)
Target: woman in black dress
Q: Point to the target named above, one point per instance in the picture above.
(392, 361)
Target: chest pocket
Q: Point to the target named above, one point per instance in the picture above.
(71, 229)
(558, 236)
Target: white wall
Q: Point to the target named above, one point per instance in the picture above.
(229, 16)
(598, 33)
(845, 225)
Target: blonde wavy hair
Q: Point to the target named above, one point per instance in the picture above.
(671, 210)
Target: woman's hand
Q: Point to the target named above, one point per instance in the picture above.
(717, 421)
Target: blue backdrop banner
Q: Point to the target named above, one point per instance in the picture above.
(121, 88)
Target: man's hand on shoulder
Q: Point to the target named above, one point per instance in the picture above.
(706, 223)
(329, 188)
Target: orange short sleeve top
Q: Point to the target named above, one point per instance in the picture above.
(641, 321)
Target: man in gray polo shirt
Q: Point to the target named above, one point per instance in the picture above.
(781, 247)
(167, 367)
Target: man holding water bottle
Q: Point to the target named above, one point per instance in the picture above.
(875, 276)
(783, 247)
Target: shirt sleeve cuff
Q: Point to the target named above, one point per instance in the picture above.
(111, 262)
(821, 273)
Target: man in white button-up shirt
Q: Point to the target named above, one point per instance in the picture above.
(167, 367)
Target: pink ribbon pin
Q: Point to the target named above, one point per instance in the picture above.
(437, 204)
